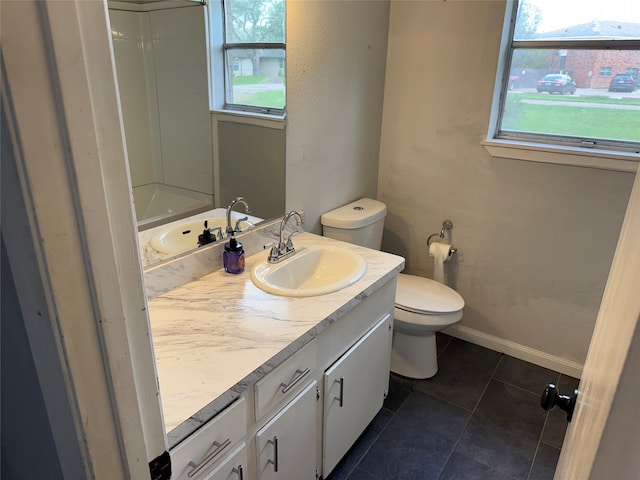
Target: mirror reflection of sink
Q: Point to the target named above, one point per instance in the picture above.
(183, 236)
(313, 270)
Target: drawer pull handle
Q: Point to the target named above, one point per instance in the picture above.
(219, 448)
(239, 472)
(341, 397)
(299, 376)
(274, 442)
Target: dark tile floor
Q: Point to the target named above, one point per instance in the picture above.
(479, 418)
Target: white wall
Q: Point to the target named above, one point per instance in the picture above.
(535, 241)
(137, 95)
(180, 58)
(335, 75)
(161, 64)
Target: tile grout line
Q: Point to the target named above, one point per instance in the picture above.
(515, 386)
(371, 446)
(444, 348)
(445, 400)
(357, 465)
(535, 455)
(410, 384)
(455, 445)
(492, 377)
(453, 449)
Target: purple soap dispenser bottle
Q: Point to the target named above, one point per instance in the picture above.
(233, 256)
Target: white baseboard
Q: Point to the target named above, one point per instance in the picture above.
(516, 350)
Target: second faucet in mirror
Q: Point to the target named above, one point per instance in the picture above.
(230, 230)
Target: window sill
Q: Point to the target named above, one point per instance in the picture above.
(250, 118)
(577, 157)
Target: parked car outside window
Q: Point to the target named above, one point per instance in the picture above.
(556, 83)
(622, 82)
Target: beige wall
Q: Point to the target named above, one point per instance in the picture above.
(251, 164)
(336, 52)
(535, 241)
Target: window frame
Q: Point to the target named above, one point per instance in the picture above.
(227, 69)
(587, 152)
(605, 72)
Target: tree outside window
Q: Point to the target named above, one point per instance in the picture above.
(255, 49)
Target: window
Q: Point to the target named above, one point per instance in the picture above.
(605, 71)
(561, 82)
(254, 55)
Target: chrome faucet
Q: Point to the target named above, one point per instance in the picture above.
(284, 249)
(230, 229)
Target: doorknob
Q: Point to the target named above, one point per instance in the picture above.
(551, 398)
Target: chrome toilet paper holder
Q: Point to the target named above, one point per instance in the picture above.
(446, 225)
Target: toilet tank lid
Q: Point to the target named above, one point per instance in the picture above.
(356, 214)
(419, 294)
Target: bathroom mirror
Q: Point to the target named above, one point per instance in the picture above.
(185, 160)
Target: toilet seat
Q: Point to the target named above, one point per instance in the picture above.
(424, 296)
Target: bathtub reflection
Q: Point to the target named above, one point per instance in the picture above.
(157, 204)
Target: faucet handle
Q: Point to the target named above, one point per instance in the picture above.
(289, 246)
(237, 228)
(271, 245)
(213, 230)
(274, 253)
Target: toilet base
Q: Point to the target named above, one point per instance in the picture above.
(414, 356)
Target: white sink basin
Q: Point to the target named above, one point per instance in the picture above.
(313, 270)
(183, 236)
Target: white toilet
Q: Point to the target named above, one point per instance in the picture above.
(423, 306)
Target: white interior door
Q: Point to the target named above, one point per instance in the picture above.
(603, 439)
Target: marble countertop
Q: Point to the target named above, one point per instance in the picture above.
(215, 336)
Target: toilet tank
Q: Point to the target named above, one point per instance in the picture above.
(360, 222)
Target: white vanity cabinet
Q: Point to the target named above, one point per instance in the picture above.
(321, 391)
(354, 389)
(286, 445)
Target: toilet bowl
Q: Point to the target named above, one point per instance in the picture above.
(422, 306)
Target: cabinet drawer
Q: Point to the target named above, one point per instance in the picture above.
(194, 457)
(286, 380)
(337, 339)
(233, 468)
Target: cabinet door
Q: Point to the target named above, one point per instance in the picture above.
(354, 390)
(286, 445)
